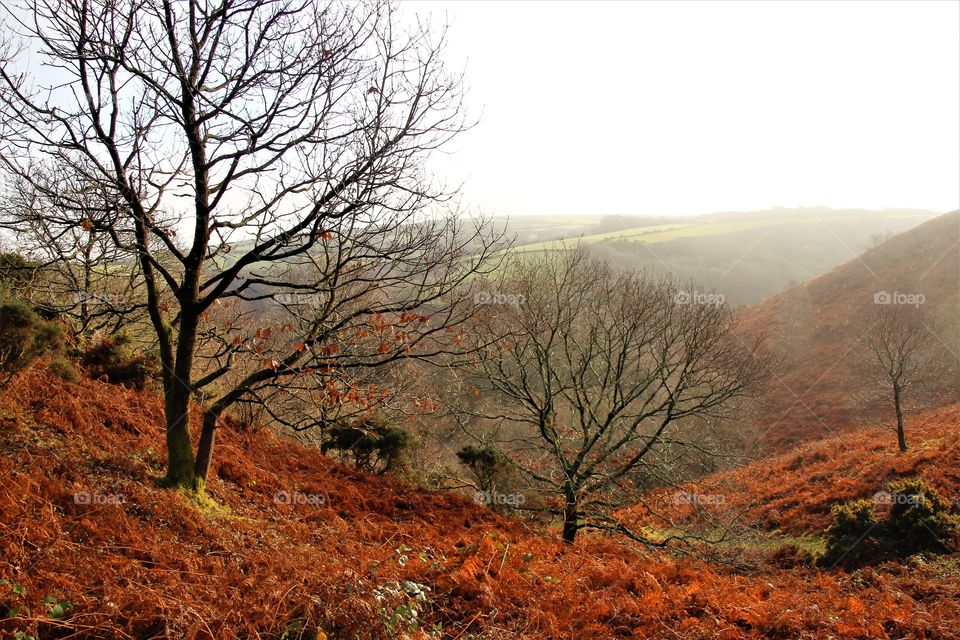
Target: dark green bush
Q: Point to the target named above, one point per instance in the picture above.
(24, 337)
(391, 445)
(486, 457)
(16, 272)
(63, 369)
(849, 537)
(115, 360)
(920, 518)
(374, 447)
(486, 463)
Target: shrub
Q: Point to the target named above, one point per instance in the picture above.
(485, 463)
(849, 537)
(920, 518)
(374, 447)
(63, 369)
(391, 445)
(24, 337)
(114, 360)
(16, 272)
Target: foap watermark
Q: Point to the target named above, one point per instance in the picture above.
(92, 298)
(685, 497)
(486, 297)
(296, 498)
(309, 300)
(86, 497)
(899, 297)
(699, 297)
(491, 498)
(885, 497)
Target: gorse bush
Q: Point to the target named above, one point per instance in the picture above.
(16, 273)
(853, 523)
(373, 446)
(486, 463)
(391, 445)
(920, 518)
(114, 359)
(63, 369)
(24, 337)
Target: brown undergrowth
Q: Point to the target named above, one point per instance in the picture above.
(293, 545)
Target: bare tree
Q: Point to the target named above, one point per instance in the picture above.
(79, 275)
(901, 356)
(603, 376)
(251, 141)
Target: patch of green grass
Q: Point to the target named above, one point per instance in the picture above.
(205, 504)
(774, 540)
(764, 541)
(663, 232)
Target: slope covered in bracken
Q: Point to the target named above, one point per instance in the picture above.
(816, 328)
(793, 492)
(140, 561)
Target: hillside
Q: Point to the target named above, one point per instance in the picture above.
(817, 325)
(291, 545)
(746, 256)
(793, 492)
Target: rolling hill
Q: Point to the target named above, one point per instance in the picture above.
(746, 256)
(793, 492)
(817, 326)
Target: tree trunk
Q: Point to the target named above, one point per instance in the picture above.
(570, 518)
(901, 436)
(207, 440)
(180, 461)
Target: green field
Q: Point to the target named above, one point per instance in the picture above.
(659, 233)
(702, 226)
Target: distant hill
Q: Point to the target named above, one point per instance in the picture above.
(746, 256)
(816, 327)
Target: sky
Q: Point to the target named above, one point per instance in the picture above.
(690, 107)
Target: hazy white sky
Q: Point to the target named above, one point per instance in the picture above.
(690, 107)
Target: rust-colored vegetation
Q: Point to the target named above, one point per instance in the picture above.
(794, 492)
(816, 328)
(291, 543)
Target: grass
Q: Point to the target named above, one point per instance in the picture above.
(705, 226)
(776, 539)
(662, 233)
(768, 541)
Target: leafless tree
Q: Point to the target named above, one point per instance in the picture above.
(603, 376)
(275, 150)
(902, 355)
(79, 275)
